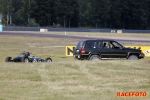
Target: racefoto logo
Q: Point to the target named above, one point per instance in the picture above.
(132, 94)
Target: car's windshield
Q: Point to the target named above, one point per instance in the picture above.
(116, 44)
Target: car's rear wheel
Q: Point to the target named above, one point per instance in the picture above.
(48, 60)
(8, 59)
(133, 57)
(95, 58)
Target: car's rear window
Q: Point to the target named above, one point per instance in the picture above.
(90, 44)
(80, 44)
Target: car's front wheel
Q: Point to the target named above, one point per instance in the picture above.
(95, 58)
(133, 57)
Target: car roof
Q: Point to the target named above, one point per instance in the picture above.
(96, 40)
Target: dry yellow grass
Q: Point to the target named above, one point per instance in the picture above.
(66, 78)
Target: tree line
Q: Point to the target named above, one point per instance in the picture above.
(113, 14)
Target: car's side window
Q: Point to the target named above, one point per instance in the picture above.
(105, 44)
(111, 45)
(90, 44)
(99, 44)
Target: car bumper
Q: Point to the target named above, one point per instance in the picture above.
(80, 57)
(141, 56)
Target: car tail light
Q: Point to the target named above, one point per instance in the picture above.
(82, 51)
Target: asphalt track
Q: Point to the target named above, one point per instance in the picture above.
(64, 36)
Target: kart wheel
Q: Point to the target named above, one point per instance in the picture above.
(8, 59)
(24, 59)
(34, 60)
(48, 60)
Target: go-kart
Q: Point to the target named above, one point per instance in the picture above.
(25, 57)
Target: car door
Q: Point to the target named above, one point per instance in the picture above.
(117, 50)
(90, 47)
(104, 51)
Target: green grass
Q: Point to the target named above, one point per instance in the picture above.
(66, 78)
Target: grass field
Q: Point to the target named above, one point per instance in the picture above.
(66, 78)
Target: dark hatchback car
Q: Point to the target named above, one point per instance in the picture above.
(105, 49)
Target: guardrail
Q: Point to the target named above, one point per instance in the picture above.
(75, 30)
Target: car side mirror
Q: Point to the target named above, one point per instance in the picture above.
(122, 48)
